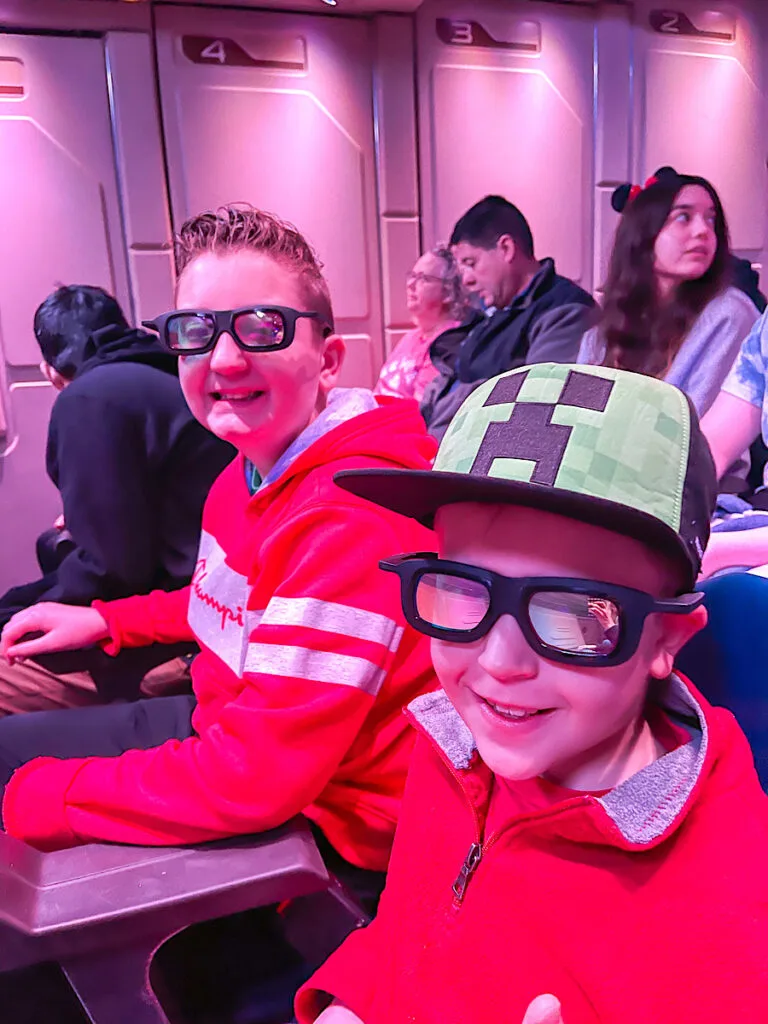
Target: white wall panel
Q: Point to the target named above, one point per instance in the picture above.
(61, 223)
(141, 170)
(58, 196)
(506, 106)
(29, 502)
(398, 177)
(613, 126)
(700, 105)
(278, 112)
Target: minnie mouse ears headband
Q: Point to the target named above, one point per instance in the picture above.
(624, 194)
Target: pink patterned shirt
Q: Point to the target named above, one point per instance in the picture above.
(409, 369)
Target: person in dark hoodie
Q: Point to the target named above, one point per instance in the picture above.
(532, 314)
(133, 468)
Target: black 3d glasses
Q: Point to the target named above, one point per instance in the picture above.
(563, 619)
(255, 328)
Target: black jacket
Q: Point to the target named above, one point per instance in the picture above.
(747, 280)
(544, 323)
(133, 468)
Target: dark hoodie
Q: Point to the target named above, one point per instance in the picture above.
(747, 280)
(544, 323)
(133, 468)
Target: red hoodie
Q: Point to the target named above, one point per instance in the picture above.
(648, 905)
(306, 663)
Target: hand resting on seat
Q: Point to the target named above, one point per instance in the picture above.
(55, 627)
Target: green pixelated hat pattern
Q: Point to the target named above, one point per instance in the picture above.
(589, 430)
(608, 447)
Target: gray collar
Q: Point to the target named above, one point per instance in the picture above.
(645, 806)
(343, 404)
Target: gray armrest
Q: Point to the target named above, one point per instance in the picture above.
(58, 906)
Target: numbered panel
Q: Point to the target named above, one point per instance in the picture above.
(700, 105)
(60, 224)
(506, 101)
(276, 110)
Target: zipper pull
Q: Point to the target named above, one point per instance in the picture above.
(468, 868)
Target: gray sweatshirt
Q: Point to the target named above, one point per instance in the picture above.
(708, 352)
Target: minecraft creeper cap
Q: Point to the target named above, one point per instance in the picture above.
(608, 447)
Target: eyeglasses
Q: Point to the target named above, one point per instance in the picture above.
(254, 328)
(563, 619)
(423, 278)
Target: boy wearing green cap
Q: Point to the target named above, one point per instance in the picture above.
(578, 820)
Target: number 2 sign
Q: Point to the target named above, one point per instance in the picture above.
(715, 26)
(669, 21)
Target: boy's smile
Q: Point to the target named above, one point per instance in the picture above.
(513, 714)
(581, 726)
(235, 396)
(258, 401)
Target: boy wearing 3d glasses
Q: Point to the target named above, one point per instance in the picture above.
(578, 820)
(306, 661)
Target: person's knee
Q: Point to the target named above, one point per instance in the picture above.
(29, 686)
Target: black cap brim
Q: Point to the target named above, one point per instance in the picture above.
(418, 494)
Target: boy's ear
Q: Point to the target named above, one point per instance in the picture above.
(53, 376)
(334, 351)
(675, 632)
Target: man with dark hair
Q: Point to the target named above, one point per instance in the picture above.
(531, 314)
(133, 468)
(64, 323)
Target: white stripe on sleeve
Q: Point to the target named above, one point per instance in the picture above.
(317, 666)
(332, 617)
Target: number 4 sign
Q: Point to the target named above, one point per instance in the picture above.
(228, 53)
(215, 51)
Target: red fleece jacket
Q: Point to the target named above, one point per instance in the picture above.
(648, 905)
(306, 665)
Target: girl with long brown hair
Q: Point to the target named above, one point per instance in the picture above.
(669, 310)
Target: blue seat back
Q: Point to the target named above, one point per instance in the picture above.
(728, 661)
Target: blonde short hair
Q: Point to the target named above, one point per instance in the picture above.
(239, 227)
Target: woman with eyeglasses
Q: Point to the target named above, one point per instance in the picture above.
(436, 302)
